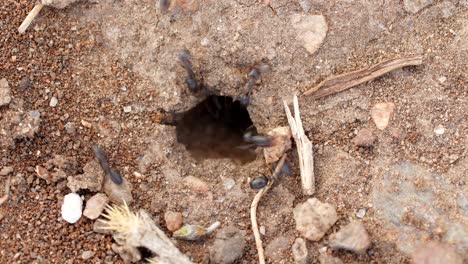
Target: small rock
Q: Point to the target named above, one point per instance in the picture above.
(24, 84)
(86, 123)
(442, 79)
(262, 230)
(118, 193)
(352, 237)
(439, 130)
(6, 170)
(5, 97)
(325, 258)
(72, 208)
(228, 246)
(95, 205)
(91, 179)
(53, 101)
(306, 5)
(361, 213)
(228, 183)
(382, 113)
(29, 125)
(414, 6)
(127, 109)
(364, 138)
(174, 220)
(278, 248)
(70, 128)
(436, 253)
(281, 143)
(87, 254)
(299, 250)
(49, 177)
(196, 184)
(314, 218)
(311, 30)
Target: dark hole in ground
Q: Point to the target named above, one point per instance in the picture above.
(214, 128)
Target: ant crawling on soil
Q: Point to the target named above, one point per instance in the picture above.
(222, 107)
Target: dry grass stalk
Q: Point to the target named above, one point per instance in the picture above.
(138, 230)
(304, 148)
(30, 17)
(253, 210)
(336, 84)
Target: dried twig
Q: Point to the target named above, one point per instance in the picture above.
(253, 210)
(4, 198)
(304, 148)
(27, 21)
(335, 84)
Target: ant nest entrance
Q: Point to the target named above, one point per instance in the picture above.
(215, 128)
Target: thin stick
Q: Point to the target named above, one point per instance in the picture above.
(27, 21)
(4, 198)
(339, 83)
(253, 210)
(304, 148)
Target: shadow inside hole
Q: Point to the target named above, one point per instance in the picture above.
(214, 129)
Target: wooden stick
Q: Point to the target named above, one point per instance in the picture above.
(27, 21)
(336, 84)
(253, 210)
(304, 148)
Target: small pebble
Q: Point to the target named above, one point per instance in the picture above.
(72, 208)
(314, 218)
(87, 254)
(442, 79)
(95, 205)
(262, 230)
(70, 128)
(361, 213)
(439, 130)
(299, 250)
(174, 220)
(364, 138)
(5, 97)
(414, 6)
(196, 184)
(382, 113)
(352, 237)
(53, 102)
(6, 170)
(259, 182)
(127, 109)
(228, 183)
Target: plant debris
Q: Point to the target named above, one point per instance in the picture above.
(339, 83)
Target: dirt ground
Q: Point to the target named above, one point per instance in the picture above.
(99, 57)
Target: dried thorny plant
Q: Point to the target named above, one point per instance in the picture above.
(134, 230)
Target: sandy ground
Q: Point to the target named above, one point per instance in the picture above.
(98, 58)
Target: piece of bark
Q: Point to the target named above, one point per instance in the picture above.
(339, 83)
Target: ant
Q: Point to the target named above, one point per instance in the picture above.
(250, 136)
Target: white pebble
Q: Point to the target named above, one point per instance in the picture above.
(361, 213)
(439, 130)
(127, 109)
(72, 208)
(53, 102)
(262, 230)
(442, 79)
